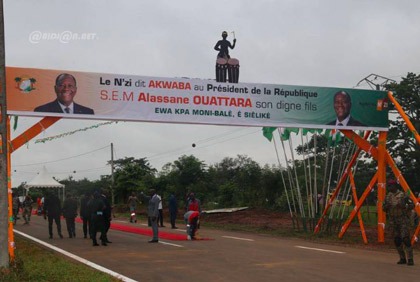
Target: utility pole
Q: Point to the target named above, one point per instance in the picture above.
(112, 175)
(4, 190)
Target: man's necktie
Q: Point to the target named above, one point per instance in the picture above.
(67, 110)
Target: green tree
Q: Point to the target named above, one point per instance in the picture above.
(186, 174)
(79, 187)
(132, 175)
(401, 144)
(237, 182)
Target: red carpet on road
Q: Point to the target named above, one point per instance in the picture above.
(147, 231)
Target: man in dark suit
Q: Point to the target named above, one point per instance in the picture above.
(342, 107)
(52, 210)
(65, 89)
(153, 213)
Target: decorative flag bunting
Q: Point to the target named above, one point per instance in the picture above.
(43, 140)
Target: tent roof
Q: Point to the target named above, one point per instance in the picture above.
(43, 180)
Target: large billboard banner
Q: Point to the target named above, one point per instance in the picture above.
(72, 94)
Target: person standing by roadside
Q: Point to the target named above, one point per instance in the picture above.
(70, 213)
(173, 210)
(398, 206)
(153, 213)
(160, 211)
(27, 209)
(52, 209)
(85, 214)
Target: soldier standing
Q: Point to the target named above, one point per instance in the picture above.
(398, 206)
(16, 205)
(97, 207)
(27, 209)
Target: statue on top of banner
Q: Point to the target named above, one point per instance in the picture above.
(227, 68)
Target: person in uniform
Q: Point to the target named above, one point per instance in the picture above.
(27, 209)
(16, 205)
(398, 206)
(97, 207)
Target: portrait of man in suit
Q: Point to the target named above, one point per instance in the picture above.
(65, 89)
(342, 108)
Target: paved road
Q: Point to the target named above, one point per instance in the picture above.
(231, 256)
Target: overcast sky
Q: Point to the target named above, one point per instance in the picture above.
(315, 43)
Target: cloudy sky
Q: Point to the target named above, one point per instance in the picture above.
(315, 43)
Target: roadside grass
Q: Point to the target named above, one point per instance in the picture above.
(34, 263)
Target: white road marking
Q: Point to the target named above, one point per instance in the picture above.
(238, 238)
(170, 244)
(321, 250)
(79, 259)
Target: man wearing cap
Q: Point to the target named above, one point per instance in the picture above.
(398, 206)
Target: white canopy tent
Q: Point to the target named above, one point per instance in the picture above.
(44, 180)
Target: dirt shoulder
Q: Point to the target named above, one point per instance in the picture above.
(281, 224)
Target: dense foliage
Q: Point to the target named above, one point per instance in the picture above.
(402, 146)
